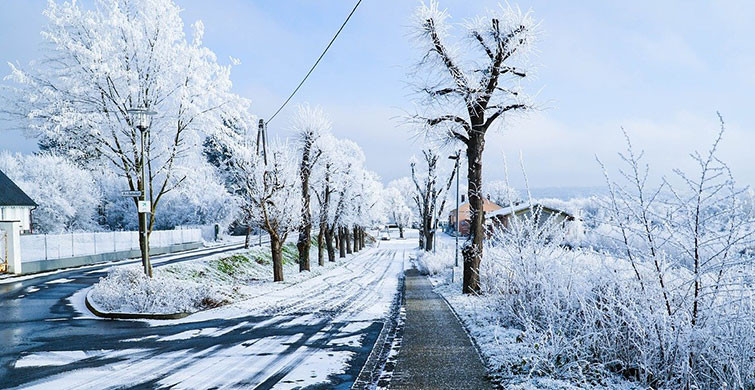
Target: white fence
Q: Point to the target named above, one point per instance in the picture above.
(59, 246)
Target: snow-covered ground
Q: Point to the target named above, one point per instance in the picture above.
(314, 331)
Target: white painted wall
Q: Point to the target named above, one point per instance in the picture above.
(12, 245)
(17, 213)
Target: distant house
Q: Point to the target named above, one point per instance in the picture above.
(463, 215)
(15, 205)
(503, 218)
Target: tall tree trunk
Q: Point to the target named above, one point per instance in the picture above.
(276, 249)
(148, 271)
(304, 244)
(347, 236)
(305, 230)
(247, 238)
(401, 231)
(427, 231)
(363, 235)
(320, 247)
(341, 247)
(429, 240)
(329, 244)
(356, 239)
(473, 248)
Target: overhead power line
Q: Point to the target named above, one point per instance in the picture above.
(316, 62)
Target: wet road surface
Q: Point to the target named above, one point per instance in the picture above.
(319, 336)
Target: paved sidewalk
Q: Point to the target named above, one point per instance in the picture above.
(436, 352)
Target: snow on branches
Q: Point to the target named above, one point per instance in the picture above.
(98, 64)
(466, 86)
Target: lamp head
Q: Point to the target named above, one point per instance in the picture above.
(141, 117)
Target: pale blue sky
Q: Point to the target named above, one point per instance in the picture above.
(659, 70)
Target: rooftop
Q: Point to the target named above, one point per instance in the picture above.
(11, 194)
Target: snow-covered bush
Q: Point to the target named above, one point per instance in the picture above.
(188, 287)
(668, 303)
(127, 289)
(437, 262)
(66, 194)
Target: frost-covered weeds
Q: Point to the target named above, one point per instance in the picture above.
(659, 292)
(192, 286)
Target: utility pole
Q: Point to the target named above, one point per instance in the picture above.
(456, 218)
(262, 139)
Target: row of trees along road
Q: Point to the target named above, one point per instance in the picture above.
(276, 188)
(100, 63)
(467, 89)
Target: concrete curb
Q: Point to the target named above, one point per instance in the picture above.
(370, 374)
(130, 316)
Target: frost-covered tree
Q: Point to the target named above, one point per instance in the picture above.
(99, 63)
(309, 125)
(323, 186)
(340, 185)
(500, 192)
(270, 195)
(405, 187)
(429, 196)
(467, 89)
(397, 209)
(66, 194)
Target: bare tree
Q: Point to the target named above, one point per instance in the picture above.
(270, 195)
(427, 193)
(309, 123)
(465, 103)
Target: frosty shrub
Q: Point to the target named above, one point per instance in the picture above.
(435, 263)
(128, 289)
(668, 303)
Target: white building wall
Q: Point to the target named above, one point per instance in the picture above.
(17, 213)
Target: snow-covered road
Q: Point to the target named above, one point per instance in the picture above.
(315, 334)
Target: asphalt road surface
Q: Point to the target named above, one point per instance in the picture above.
(316, 334)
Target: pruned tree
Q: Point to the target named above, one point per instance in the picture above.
(271, 196)
(427, 193)
(309, 124)
(469, 90)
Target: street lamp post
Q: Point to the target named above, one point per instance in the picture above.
(456, 234)
(140, 117)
